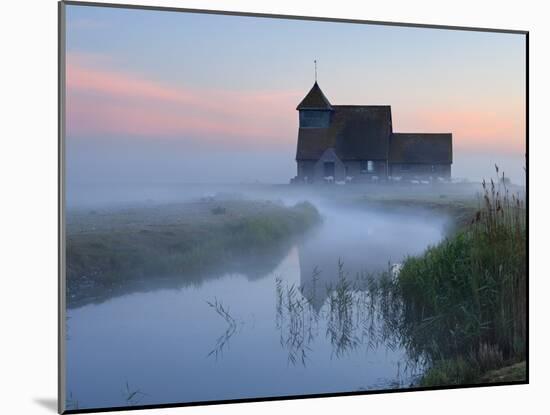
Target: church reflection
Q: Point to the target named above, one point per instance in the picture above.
(358, 254)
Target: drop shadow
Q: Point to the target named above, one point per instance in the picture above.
(48, 403)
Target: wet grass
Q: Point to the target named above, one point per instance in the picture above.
(107, 250)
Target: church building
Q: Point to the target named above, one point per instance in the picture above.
(356, 143)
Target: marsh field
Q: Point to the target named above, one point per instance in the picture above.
(188, 293)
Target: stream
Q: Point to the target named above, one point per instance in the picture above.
(233, 337)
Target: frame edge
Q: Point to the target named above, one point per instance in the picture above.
(61, 45)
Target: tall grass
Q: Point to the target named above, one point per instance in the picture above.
(465, 299)
(459, 309)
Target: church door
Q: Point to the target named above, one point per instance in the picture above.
(329, 168)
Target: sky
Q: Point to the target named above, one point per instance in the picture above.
(163, 96)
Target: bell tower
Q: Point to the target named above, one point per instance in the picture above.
(315, 109)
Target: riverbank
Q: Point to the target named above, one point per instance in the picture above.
(461, 372)
(513, 373)
(107, 250)
(464, 300)
(457, 202)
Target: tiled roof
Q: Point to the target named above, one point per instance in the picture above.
(421, 148)
(355, 132)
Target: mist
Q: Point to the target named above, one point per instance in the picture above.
(132, 169)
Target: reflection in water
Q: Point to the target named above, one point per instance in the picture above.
(71, 403)
(343, 319)
(132, 396)
(223, 340)
(363, 314)
(256, 266)
(364, 241)
(330, 332)
(295, 321)
(358, 313)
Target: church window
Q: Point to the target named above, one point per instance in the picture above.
(367, 166)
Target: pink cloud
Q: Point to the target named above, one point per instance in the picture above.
(109, 102)
(477, 128)
(111, 118)
(101, 101)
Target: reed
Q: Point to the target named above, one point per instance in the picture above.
(467, 296)
(295, 320)
(356, 313)
(459, 309)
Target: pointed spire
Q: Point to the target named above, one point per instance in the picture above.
(315, 100)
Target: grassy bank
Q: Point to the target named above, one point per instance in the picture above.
(459, 205)
(459, 309)
(465, 299)
(107, 249)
